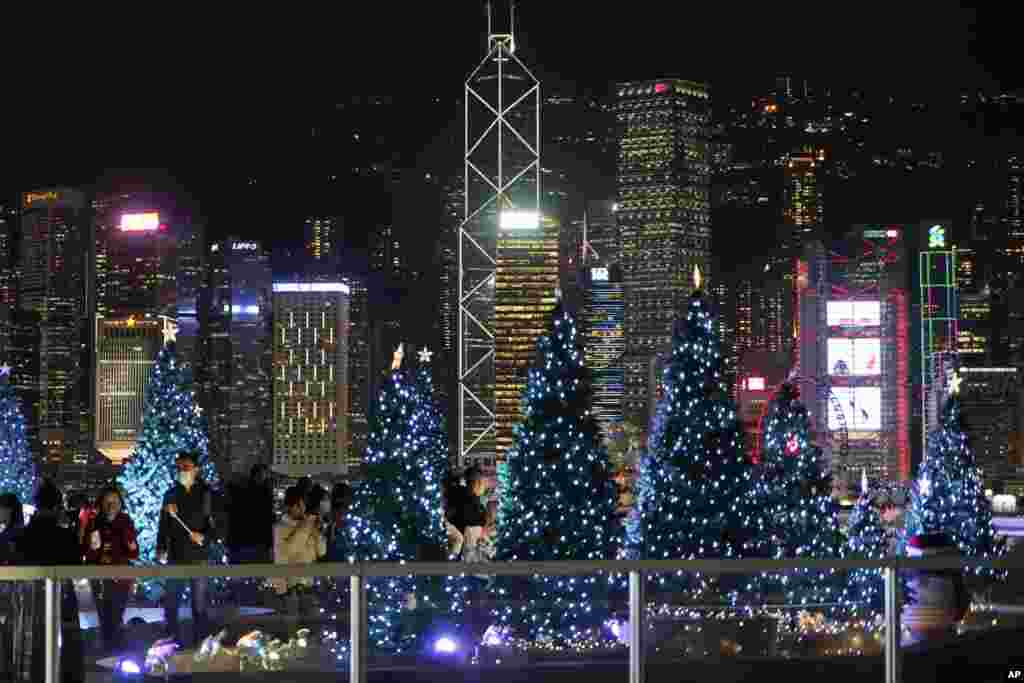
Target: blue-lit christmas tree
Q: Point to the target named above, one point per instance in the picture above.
(866, 539)
(800, 519)
(695, 489)
(397, 511)
(560, 501)
(17, 466)
(948, 496)
(171, 423)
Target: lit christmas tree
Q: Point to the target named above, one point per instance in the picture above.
(560, 501)
(866, 540)
(397, 512)
(17, 466)
(800, 518)
(171, 423)
(695, 491)
(949, 497)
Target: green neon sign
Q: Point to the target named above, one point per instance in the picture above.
(936, 237)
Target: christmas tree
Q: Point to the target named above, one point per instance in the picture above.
(171, 423)
(560, 501)
(696, 486)
(17, 466)
(397, 511)
(866, 540)
(949, 497)
(800, 518)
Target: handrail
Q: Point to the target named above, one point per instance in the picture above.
(359, 571)
(520, 568)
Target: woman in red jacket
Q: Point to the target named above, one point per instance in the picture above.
(111, 539)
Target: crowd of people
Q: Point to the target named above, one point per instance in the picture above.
(310, 528)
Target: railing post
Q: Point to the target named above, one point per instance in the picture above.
(893, 630)
(637, 605)
(51, 630)
(357, 631)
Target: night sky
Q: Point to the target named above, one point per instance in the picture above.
(217, 98)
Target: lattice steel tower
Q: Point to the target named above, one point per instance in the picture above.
(502, 185)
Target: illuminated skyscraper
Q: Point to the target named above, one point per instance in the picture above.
(53, 265)
(323, 238)
(1011, 240)
(237, 384)
(311, 389)
(360, 388)
(386, 255)
(604, 342)
(526, 280)
(135, 268)
(803, 204)
(8, 218)
(664, 215)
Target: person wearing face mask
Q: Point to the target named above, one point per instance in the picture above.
(188, 504)
(297, 540)
(110, 538)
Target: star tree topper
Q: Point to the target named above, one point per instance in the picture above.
(954, 384)
(396, 362)
(170, 330)
(425, 355)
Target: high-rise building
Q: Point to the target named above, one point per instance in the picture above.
(360, 387)
(386, 254)
(1014, 216)
(237, 310)
(191, 280)
(664, 215)
(602, 233)
(725, 324)
(855, 351)
(991, 400)
(526, 280)
(803, 202)
(311, 389)
(53, 290)
(135, 265)
(323, 238)
(8, 264)
(604, 342)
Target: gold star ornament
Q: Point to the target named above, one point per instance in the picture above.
(170, 330)
(954, 384)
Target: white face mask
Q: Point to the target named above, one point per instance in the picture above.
(186, 478)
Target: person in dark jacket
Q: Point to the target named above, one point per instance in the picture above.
(189, 503)
(45, 543)
(252, 519)
(473, 511)
(110, 538)
(12, 524)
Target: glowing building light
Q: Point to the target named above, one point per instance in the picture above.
(936, 237)
(755, 383)
(514, 219)
(140, 222)
(311, 287)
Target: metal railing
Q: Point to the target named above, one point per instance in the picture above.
(359, 572)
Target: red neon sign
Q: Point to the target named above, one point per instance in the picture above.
(661, 87)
